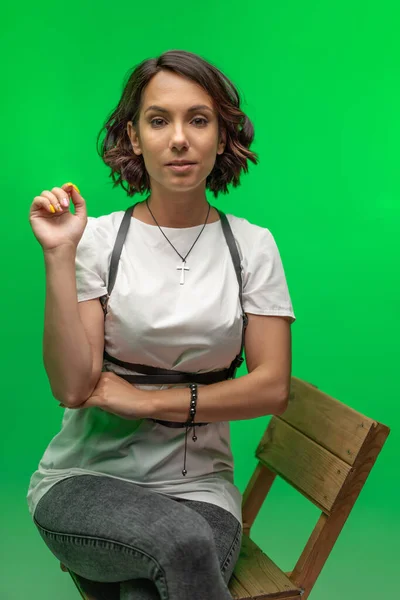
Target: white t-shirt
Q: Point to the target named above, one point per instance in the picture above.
(153, 320)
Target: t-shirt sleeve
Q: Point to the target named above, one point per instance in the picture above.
(265, 290)
(89, 267)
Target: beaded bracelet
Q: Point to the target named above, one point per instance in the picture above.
(192, 414)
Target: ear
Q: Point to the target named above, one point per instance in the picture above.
(134, 137)
(222, 142)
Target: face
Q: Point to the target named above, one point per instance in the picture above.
(174, 131)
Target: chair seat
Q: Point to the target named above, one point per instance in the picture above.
(257, 576)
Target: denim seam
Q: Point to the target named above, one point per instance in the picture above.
(90, 537)
(232, 548)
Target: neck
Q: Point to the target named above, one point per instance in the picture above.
(178, 209)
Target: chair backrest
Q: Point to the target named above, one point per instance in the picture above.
(325, 450)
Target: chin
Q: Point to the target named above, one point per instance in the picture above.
(181, 188)
(182, 183)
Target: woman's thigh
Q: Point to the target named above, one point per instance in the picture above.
(108, 531)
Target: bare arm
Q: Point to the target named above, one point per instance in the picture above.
(73, 339)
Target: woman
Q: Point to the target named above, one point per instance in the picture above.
(121, 496)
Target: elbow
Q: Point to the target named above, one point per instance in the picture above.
(282, 400)
(281, 407)
(276, 391)
(74, 400)
(70, 401)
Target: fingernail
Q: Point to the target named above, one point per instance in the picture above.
(65, 202)
(52, 209)
(75, 186)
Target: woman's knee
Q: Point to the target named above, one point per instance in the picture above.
(186, 540)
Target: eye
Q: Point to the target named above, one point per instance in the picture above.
(202, 119)
(153, 120)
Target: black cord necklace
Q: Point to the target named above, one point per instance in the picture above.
(182, 267)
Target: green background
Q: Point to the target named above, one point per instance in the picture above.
(320, 81)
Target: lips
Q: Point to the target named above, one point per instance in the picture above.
(180, 164)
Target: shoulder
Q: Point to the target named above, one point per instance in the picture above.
(245, 227)
(100, 231)
(249, 236)
(105, 224)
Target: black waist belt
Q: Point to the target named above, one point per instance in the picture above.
(157, 375)
(176, 377)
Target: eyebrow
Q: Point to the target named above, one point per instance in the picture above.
(191, 109)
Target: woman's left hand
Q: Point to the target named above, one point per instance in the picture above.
(115, 395)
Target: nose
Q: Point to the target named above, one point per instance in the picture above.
(179, 138)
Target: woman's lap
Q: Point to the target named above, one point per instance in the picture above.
(110, 532)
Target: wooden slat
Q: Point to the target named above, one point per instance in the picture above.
(259, 576)
(255, 494)
(238, 592)
(311, 469)
(332, 424)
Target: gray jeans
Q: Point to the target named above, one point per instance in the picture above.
(124, 542)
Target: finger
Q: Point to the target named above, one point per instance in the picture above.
(77, 199)
(69, 184)
(62, 197)
(53, 200)
(43, 202)
(70, 188)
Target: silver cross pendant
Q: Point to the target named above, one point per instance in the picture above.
(183, 268)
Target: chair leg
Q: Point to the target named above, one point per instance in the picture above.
(82, 593)
(76, 582)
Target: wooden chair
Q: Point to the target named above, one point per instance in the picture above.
(325, 450)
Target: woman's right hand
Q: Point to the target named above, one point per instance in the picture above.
(53, 224)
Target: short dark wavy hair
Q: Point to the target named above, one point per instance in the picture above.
(116, 148)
